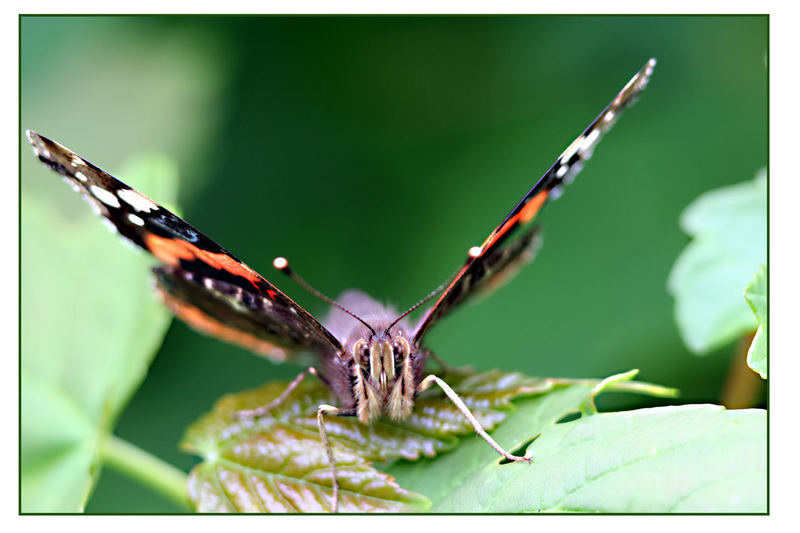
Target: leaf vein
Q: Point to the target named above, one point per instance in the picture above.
(638, 460)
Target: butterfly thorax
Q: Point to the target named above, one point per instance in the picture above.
(379, 369)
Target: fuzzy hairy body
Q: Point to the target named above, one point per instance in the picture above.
(376, 374)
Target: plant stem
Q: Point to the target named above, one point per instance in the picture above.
(146, 468)
(743, 387)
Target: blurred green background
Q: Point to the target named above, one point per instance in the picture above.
(373, 152)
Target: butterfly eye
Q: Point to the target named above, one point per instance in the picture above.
(361, 353)
(400, 350)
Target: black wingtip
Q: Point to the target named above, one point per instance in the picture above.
(36, 140)
(42, 146)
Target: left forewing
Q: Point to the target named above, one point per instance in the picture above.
(201, 282)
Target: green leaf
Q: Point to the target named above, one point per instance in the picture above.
(728, 227)
(90, 327)
(695, 458)
(277, 463)
(756, 296)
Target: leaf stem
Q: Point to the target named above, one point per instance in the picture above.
(642, 387)
(146, 468)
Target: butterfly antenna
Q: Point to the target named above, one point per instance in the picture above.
(283, 265)
(473, 253)
(417, 305)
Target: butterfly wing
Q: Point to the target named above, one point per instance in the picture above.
(202, 283)
(483, 267)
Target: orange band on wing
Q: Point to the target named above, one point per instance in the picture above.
(168, 250)
(533, 206)
(525, 215)
(207, 325)
(172, 250)
(226, 262)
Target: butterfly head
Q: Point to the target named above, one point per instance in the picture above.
(384, 377)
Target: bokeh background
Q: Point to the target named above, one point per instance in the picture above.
(373, 152)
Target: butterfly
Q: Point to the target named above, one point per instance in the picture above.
(371, 358)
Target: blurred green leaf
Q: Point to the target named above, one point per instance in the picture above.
(102, 326)
(276, 462)
(728, 227)
(705, 459)
(756, 296)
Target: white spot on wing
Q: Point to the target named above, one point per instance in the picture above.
(588, 142)
(571, 149)
(137, 201)
(135, 219)
(475, 251)
(561, 171)
(81, 176)
(104, 196)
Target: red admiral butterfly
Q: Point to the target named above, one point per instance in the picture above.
(370, 358)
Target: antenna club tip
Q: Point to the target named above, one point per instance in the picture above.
(280, 263)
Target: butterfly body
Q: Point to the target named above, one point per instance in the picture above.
(379, 370)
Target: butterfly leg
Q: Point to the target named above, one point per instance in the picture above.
(458, 402)
(264, 409)
(335, 411)
(321, 412)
